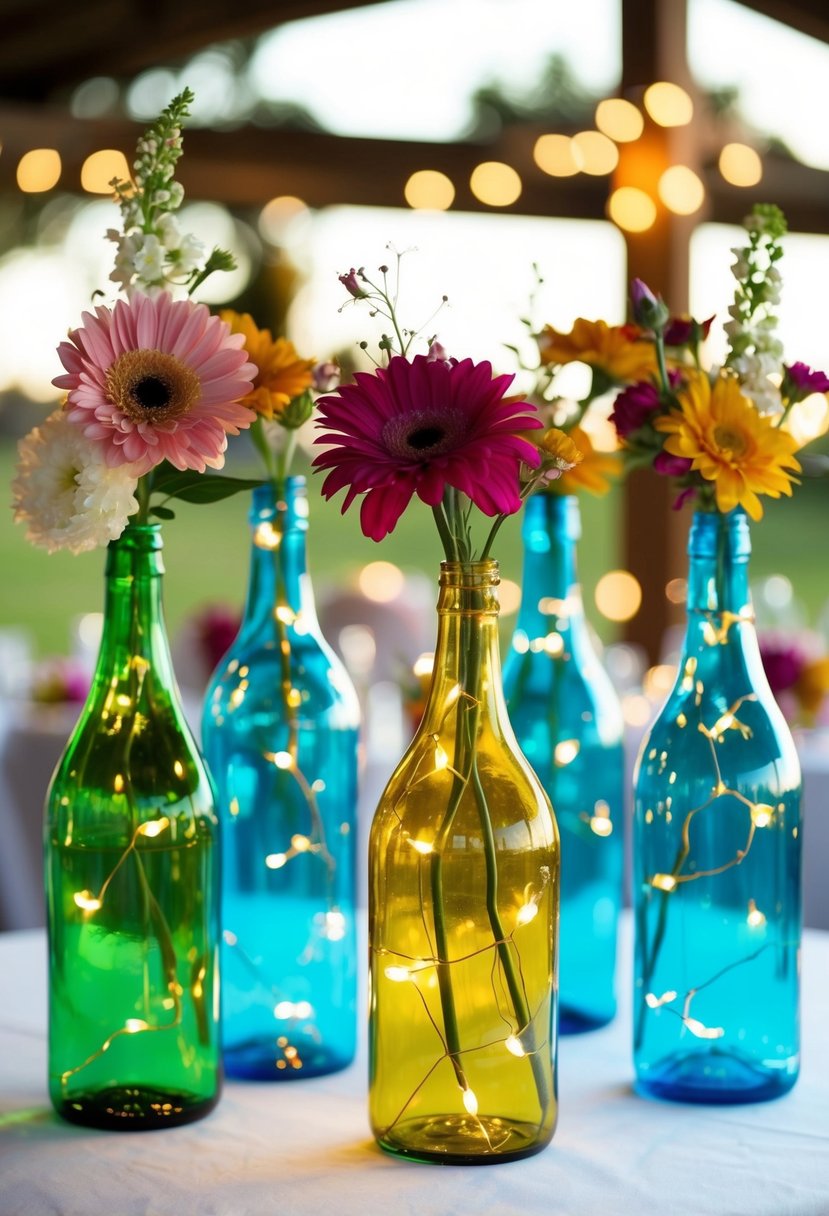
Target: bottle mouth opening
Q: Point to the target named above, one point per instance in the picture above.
(472, 576)
(712, 533)
(145, 538)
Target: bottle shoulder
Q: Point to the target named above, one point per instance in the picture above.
(738, 732)
(311, 680)
(565, 687)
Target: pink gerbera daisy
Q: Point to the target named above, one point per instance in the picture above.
(417, 427)
(157, 379)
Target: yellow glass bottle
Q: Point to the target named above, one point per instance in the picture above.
(463, 914)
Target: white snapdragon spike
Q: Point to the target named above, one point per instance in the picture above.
(149, 261)
(152, 254)
(756, 353)
(168, 232)
(190, 254)
(65, 493)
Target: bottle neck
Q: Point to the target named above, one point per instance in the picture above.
(550, 588)
(279, 587)
(134, 639)
(467, 656)
(719, 547)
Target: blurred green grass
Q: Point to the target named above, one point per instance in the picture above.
(206, 555)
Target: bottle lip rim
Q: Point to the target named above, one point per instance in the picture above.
(486, 565)
(707, 526)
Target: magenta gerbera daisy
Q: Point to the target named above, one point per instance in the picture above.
(417, 427)
(157, 379)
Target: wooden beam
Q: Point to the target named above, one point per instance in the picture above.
(808, 16)
(48, 44)
(248, 166)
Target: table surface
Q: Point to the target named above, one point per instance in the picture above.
(303, 1148)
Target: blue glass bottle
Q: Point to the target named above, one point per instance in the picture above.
(280, 735)
(717, 840)
(568, 722)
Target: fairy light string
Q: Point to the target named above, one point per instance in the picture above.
(121, 708)
(269, 537)
(520, 1038)
(715, 632)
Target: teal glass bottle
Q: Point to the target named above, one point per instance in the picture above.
(717, 855)
(568, 722)
(280, 732)
(132, 880)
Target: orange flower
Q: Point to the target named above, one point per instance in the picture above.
(730, 443)
(281, 374)
(619, 351)
(558, 446)
(593, 471)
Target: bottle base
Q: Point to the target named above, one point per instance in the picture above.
(268, 1060)
(134, 1108)
(463, 1140)
(715, 1078)
(574, 1021)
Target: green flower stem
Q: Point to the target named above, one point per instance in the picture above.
(444, 532)
(523, 1013)
(263, 448)
(465, 769)
(649, 962)
(142, 493)
(660, 359)
(285, 458)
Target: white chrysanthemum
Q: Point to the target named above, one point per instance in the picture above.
(64, 491)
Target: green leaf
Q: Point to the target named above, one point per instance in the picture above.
(190, 486)
(162, 512)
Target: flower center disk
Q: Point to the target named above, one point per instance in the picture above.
(152, 386)
(422, 434)
(730, 440)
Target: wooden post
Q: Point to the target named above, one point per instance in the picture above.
(653, 48)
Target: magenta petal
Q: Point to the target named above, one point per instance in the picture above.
(382, 509)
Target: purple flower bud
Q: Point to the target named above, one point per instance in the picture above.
(799, 381)
(648, 310)
(349, 282)
(326, 376)
(671, 466)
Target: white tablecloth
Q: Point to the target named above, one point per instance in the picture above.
(303, 1148)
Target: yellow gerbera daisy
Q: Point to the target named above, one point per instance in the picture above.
(281, 373)
(591, 473)
(618, 350)
(730, 443)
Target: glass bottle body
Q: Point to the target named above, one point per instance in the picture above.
(568, 723)
(463, 915)
(132, 880)
(280, 734)
(717, 855)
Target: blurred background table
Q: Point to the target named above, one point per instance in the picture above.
(300, 1149)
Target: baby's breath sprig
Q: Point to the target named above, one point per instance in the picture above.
(152, 252)
(382, 298)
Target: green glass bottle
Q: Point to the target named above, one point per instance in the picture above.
(132, 880)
